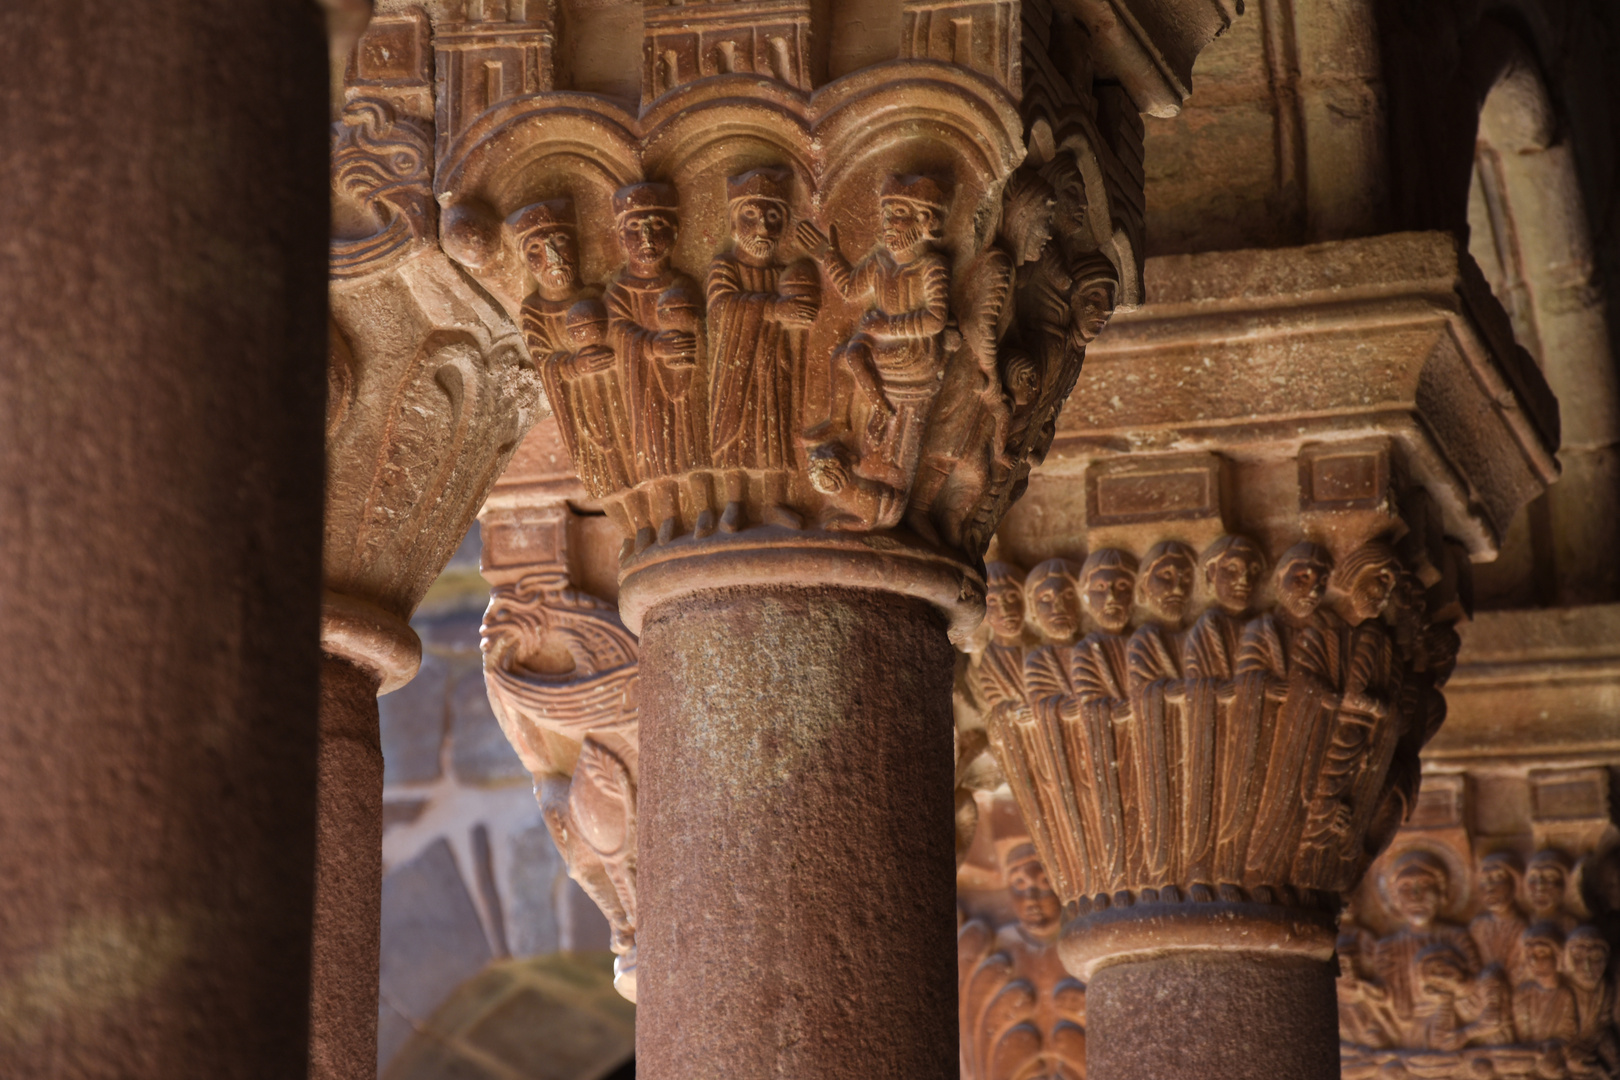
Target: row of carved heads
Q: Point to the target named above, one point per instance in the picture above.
(1261, 755)
(696, 408)
(1522, 988)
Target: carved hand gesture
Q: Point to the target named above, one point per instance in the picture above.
(592, 359)
(675, 347)
(795, 310)
(816, 242)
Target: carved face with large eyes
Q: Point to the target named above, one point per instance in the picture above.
(1544, 885)
(1167, 583)
(1588, 956)
(757, 226)
(1093, 304)
(1233, 574)
(1498, 884)
(1301, 583)
(552, 256)
(1371, 590)
(1108, 597)
(1418, 893)
(907, 226)
(648, 237)
(1039, 911)
(1054, 607)
(1004, 608)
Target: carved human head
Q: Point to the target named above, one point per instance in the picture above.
(913, 213)
(1368, 578)
(758, 204)
(1545, 881)
(1418, 887)
(1302, 577)
(1050, 600)
(648, 222)
(1442, 971)
(1096, 284)
(1166, 582)
(1026, 215)
(1586, 954)
(1004, 600)
(1107, 584)
(544, 234)
(1071, 212)
(587, 323)
(1035, 902)
(1542, 946)
(1233, 566)
(1498, 881)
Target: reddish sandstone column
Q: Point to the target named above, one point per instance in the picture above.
(162, 354)
(796, 845)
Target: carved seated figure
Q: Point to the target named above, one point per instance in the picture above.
(1453, 1010)
(1544, 1007)
(996, 673)
(1595, 1050)
(1416, 888)
(1497, 928)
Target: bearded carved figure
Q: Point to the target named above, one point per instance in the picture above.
(1022, 1015)
(1432, 997)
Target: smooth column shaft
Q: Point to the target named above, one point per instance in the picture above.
(163, 227)
(796, 866)
(348, 877)
(1235, 1016)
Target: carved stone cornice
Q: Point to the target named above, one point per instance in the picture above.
(1284, 465)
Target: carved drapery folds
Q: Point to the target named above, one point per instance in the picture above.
(1237, 756)
(1510, 981)
(776, 318)
(1210, 705)
(561, 671)
(429, 386)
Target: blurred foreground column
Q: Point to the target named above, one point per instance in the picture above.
(162, 335)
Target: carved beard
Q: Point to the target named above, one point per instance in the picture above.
(899, 240)
(758, 248)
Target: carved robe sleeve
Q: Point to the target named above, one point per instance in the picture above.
(928, 319)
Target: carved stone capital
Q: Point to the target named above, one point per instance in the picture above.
(795, 328)
(429, 386)
(1209, 704)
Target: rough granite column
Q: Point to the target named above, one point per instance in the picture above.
(162, 354)
(796, 791)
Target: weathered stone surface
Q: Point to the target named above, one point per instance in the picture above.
(796, 792)
(161, 328)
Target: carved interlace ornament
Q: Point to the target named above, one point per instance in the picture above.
(561, 671)
(1255, 759)
(1521, 989)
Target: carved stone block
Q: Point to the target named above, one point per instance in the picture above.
(690, 41)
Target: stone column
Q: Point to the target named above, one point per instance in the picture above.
(427, 398)
(161, 349)
(796, 790)
(803, 338)
(1237, 645)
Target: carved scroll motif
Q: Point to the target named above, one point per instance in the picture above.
(1521, 990)
(382, 183)
(561, 672)
(1253, 757)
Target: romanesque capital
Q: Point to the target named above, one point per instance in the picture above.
(429, 387)
(793, 327)
(1208, 694)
